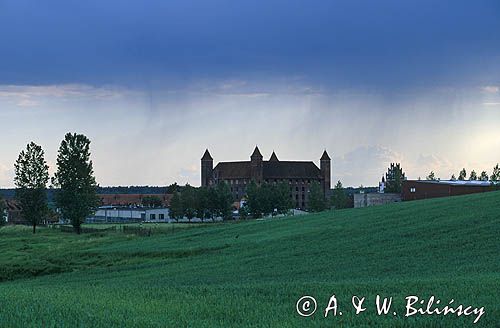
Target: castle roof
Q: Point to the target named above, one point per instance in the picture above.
(206, 156)
(270, 170)
(325, 156)
(289, 169)
(256, 153)
(273, 157)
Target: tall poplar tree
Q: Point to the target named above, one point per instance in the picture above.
(31, 178)
(77, 194)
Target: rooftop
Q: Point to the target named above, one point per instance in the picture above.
(458, 182)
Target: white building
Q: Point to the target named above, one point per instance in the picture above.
(129, 214)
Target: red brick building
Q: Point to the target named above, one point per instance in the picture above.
(422, 189)
(298, 174)
(14, 212)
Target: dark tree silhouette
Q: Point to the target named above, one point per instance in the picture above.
(31, 178)
(77, 197)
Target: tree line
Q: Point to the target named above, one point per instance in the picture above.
(76, 194)
(202, 202)
(76, 190)
(266, 199)
(473, 176)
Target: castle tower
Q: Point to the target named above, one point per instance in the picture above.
(325, 167)
(273, 158)
(256, 165)
(207, 166)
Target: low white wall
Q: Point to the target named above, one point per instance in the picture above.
(374, 199)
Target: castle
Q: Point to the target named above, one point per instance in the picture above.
(299, 175)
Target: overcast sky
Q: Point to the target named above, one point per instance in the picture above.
(154, 83)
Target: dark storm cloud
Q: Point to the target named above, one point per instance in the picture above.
(337, 43)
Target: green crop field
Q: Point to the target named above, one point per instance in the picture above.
(252, 273)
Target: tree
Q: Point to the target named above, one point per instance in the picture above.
(224, 200)
(77, 194)
(473, 176)
(484, 176)
(3, 207)
(462, 175)
(31, 178)
(495, 175)
(316, 198)
(266, 199)
(189, 202)
(253, 203)
(173, 188)
(176, 208)
(212, 200)
(202, 203)
(243, 212)
(151, 201)
(282, 200)
(431, 176)
(394, 178)
(339, 198)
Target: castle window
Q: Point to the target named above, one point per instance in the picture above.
(296, 188)
(297, 197)
(303, 189)
(303, 196)
(412, 189)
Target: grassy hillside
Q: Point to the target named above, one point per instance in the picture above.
(252, 273)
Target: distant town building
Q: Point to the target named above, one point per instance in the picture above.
(381, 186)
(422, 189)
(14, 212)
(298, 174)
(375, 198)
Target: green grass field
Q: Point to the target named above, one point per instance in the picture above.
(252, 273)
